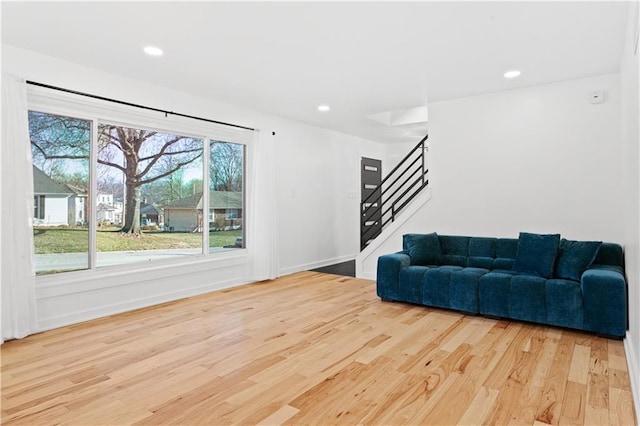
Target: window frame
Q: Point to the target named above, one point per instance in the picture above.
(38, 207)
(99, 111)
(231, 214)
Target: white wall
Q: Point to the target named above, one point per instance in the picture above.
(318, 180)
(395, 153)
(55, 210)
(538, 159)
(317, 196)
(631, 139)
(181, 220)
(541, 159)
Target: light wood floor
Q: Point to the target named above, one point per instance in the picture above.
(311, 348)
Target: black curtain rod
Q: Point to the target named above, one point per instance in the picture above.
(61, 89)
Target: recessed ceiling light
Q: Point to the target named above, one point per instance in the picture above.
(511, 74)
(153, 51)
(323, 108)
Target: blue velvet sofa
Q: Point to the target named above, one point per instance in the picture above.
(537, 278)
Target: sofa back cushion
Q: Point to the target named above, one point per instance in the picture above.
(482, 252)
(423, 249)
(455, 250)
(478, 252)
(506, 249)
(482, 247)
(574, 257)
(503, 263)
(610, 254)
(537, 254)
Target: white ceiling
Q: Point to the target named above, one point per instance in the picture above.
(361, 58)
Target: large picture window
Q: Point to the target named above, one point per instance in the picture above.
(141, 198)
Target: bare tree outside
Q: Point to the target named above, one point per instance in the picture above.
(142, 157)
(58, 141)
(226, 166)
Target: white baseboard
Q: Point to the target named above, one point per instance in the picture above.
(318, 264)
(367, 276)
(142, 302)
(634, 371)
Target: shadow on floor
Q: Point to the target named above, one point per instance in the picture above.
(345, 268)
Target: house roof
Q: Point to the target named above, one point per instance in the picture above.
(101, 207)
(190, 202)
(76, 190)
(146, 208)
(217, 200)
(44, 185)
(225, 200)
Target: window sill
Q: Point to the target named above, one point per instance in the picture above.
(122, 275)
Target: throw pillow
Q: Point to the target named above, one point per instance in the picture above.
(536, 254)
(574, 257)
(424, 249)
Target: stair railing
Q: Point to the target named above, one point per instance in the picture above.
(408, 178)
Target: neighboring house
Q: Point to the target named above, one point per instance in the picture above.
(78, 210)
(109, 209)
(106, 213)
(185, 214)
(149, 214)
(104, 198)
(56, 204)
(119, 205)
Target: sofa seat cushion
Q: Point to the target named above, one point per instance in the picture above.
(436, 285)
(410, 283)
(493, 293)
(506, 294)
(452, 287)
(463, 289)
(527, 298)
(564, 303)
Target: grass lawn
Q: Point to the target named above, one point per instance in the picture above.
(73, 240)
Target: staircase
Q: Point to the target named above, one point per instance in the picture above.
(395, 192)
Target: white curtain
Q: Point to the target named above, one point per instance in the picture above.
(262, 240)
(18, 301)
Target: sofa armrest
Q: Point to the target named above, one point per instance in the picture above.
(388, 275)
(604, 293)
